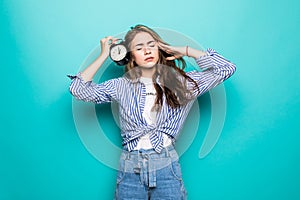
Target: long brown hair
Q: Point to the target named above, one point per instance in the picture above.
(173, 80)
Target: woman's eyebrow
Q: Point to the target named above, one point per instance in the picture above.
(141, 44)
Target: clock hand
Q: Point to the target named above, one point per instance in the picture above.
(119, 50)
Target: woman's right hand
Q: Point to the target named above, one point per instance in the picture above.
(105, 45)
(91, 70)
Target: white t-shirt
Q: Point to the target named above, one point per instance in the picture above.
(150, 115)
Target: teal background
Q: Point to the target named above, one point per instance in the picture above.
(257, 155)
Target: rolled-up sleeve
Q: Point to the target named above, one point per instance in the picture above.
(215, 70)
(92, 92)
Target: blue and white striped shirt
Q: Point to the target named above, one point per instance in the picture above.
(130, 95)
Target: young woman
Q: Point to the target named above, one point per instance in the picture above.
(154, 98)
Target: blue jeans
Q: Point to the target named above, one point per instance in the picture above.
(145, 174)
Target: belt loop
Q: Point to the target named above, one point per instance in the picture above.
(152, 174)
(128, 155)
(167, 152)
(137, 167)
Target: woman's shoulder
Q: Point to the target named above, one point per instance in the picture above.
(121, 81)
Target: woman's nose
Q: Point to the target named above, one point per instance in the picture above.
(147, 50)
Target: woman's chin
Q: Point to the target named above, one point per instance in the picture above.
(148, 65)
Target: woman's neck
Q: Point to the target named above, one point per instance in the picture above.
(148, 72)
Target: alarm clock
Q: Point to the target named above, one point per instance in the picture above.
(119, 53)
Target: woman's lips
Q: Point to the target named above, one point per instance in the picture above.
(149, 59)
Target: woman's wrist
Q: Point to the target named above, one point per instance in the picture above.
(195, 53)
(104, 55)
(187, 51)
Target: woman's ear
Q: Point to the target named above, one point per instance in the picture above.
(132, 57)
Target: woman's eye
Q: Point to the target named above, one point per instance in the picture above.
(152, 44)
(138, 49)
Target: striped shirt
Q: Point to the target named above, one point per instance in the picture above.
(130, 96)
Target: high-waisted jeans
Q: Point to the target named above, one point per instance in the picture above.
(145, 174)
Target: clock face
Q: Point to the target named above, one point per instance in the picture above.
(118, 52)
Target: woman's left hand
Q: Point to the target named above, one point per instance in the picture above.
(176, 52)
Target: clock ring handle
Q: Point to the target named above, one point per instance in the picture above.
(115, 41)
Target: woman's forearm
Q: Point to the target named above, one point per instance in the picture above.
(91, 70)
(89, 73)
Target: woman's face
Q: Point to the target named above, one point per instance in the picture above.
(144, 50)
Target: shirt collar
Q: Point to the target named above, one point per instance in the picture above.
(137, 80)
